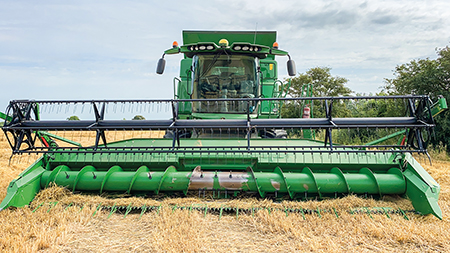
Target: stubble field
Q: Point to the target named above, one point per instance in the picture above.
(65, 228)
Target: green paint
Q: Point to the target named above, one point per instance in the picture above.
(5, 117)
(43, 133)
(439, 106)
(386, 138)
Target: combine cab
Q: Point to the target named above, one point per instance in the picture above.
(225, 137)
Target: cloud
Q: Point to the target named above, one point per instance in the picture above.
(322, 20)
(382, 19)
(95, 49)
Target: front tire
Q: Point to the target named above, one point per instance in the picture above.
(273, 134)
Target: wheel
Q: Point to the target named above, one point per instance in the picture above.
(274, 134)
(182, 134)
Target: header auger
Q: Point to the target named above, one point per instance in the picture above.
(225, 136)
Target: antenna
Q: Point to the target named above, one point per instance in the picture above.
(256, 29)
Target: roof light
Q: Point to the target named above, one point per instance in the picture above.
(175, 44)
(223, 43)
(275, 45)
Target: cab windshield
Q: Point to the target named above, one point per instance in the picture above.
(224, 76)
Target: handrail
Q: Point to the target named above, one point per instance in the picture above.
(175, 94)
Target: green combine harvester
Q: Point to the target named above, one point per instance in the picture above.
(224, 136)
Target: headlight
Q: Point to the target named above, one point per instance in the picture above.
(202, 47)
(245, 48)
(237, 48)
(210, 47)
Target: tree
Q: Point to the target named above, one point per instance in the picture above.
(426, 77)
(323, 85)
(73, 118)
(326, 85)
(138, 117)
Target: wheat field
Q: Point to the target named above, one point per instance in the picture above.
(65, 228)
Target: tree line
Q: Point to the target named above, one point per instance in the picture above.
(418, 77)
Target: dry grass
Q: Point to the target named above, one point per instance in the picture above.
(72, 230)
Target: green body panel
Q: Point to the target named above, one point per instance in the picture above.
(439, 107)
(387, 137)
(295, 176)
(264, 38)
(22, 190)
(422, 189)
(5, 117)
(42, 133)
(183, 90)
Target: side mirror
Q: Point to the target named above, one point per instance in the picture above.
(291, 67)
(161, 66)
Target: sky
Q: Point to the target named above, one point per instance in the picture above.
(109, 49)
